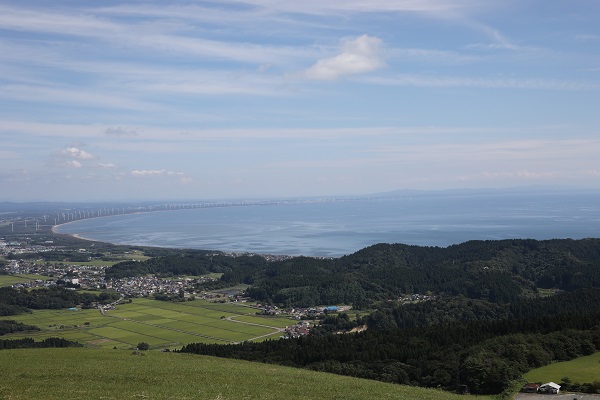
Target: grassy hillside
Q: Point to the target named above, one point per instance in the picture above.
(77, 373)
(582, 369)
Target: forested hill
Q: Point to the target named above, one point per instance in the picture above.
(487, 322)
(500, 271)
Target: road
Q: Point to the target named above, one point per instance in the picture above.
(276, 330)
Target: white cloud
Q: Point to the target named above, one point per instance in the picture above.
(70, 157)
(358, 56)
(155, 172)
(73, 164)
(74, 152)
(107, 165)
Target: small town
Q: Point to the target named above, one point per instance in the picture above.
(91, 277)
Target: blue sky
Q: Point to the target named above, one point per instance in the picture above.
(130, 100)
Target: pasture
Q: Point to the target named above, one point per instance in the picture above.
(8, 280)
(163, 325)
(76, 373)
(582, 370)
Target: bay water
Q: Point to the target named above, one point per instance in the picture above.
(334, 228)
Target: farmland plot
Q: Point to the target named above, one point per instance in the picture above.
(160, 324)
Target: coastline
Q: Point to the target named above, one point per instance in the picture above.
(269, 256)
(79, 235)
(327, 230)
(76, 235)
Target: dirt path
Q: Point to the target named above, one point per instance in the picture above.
(276, 330)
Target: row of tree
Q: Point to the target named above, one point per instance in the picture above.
(16, 301)
(28, 343)
(10, 326)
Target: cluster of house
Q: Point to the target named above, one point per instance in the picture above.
(546, 388)
(414, 298)
(300, 312)
(14, 247)
(302, 328)
(92, 277)
(149, 285)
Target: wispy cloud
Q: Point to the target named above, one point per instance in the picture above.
(100, 91)
(333, 7)
(150, 35)
(107, 165)
(180, 177)
(499, 41)
(155, 172)
(120, 131)
(73, 164)
(480, 82)
(524, 174)
(587, 37)
(73, 96)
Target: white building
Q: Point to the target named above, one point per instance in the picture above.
(549, 387)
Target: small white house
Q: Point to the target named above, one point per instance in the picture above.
(549, 387)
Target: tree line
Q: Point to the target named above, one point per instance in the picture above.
(10, 326)
(16, 301)
(28, 343)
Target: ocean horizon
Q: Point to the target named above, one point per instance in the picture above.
(336, 228)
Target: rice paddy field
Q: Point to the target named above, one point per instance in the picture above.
(9, 280)
(85, 373)
(163, 325)
(582, 370)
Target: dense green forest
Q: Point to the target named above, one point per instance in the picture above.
(494, 271)
(485, 354)
(16, 301)
(194, 263)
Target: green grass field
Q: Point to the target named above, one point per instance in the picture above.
(8, 280)
(160, 324)
(76, 373)
(582, 370)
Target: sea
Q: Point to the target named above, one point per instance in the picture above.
(333, 227)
